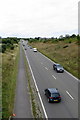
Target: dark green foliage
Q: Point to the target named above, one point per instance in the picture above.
(67, 36)
(70, 41)
(78, 38)
(65, 46)
(8, 43)
(10, 40)
(3, 48)
(0, 40)
(73, 36)
(12, 47)
(0, 48)
(54, 40)
(61, 38)
(67, 39)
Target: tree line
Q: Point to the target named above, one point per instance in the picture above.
(55, 39)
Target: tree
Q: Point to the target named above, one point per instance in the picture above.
(78, 37)
(73, 36)
(61, 37)
(67, 36)
(3, 48)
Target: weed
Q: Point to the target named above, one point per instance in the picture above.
(9, 75)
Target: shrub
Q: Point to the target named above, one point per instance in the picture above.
(0, 48)
(69, 41)
(3, 48)
(12, 47)
(65, 46)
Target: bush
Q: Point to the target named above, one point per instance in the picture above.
(44, 41)
(0, 48)
(3, 48)
(12, 47)
(55, 40)
(69, 41)
(65, 46)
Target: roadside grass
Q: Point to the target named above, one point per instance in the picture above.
(9, 75)
(61, 52)
(0, 85)
(36, 111)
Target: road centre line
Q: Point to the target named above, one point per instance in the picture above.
(69, 94)
(53, 76)
(46, 68)
(36, 87)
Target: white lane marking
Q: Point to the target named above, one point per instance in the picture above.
(72, 76)
(64, 70)
(69, 94)
(47, 58)
(46, 68)
(37, 88)
(53, 76)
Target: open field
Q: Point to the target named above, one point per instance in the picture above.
(63, 52)
(9, 75)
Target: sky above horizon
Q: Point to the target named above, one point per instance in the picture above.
(38, 18)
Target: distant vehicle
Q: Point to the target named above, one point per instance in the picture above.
(52, 94)
(58, 68)
(35, 49)
(23, 45)
(30, 47)
(25, 48)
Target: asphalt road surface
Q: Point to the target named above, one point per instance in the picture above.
(22, 107)
(46, 77)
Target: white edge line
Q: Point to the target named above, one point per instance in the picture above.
(69, 94)
(72, 76)
(36, 87)
(64, 70)
(53, 76)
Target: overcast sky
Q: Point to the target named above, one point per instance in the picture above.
(38, 18)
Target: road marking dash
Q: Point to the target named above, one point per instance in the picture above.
(53, 76)
(69, 94)
(46, 68)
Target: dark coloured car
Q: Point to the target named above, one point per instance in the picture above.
(58, 68)
(52, 94)
(23, 45)
(25, 48)
(30, 47)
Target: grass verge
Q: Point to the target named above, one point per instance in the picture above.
(9, 74)
(61, 52)
(0, 85)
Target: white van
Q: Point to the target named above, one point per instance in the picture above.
(34, 49)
